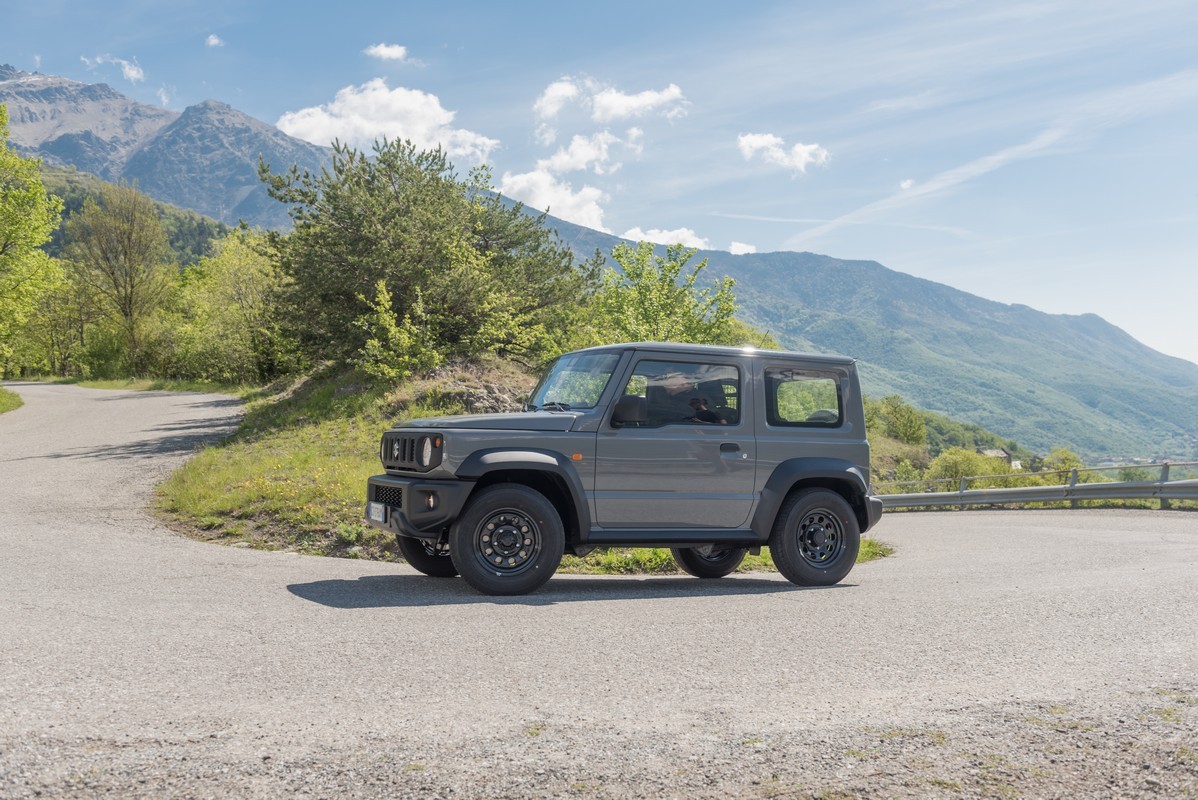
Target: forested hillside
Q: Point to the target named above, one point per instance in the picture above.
(189, 234)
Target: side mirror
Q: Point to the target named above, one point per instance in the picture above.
(630, 408)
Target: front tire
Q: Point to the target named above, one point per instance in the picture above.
(508, 540)
(815, 538)
(430, 558)
(708, 562)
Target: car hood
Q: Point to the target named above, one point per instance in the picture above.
(520, 421)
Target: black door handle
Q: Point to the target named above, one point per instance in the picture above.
(729, 447)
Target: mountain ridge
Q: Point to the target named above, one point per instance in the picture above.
(204, 158)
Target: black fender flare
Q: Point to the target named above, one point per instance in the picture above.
(481, 463)
(821, 471)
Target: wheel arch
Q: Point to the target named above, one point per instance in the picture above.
(796, 474)
(544, 471)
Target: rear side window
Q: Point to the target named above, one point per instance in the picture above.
(687, 393)
(803, 399)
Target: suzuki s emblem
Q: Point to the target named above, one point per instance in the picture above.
(395, 450)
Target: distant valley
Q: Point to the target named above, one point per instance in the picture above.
(1041, 379)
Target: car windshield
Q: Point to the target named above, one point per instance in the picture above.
(576, 380)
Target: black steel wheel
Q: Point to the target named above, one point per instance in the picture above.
(431, 558)
(711, 561)
(508, 540)
(815, 539)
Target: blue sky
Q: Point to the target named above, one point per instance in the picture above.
(1042, 153)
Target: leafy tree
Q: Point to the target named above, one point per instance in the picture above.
(189, 235)
(396, 349)
(490, 278)
(226, 318)
(121, 250)
(1062, 460)
(27, 218)
(741, 333)
(649, 298)
(906, 471)
(1060, 463)
(538, 293)
(956, 463)
(54, 337)
(904, 422)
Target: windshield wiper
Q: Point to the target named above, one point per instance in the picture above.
(554, 405)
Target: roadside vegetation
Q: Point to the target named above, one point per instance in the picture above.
(9, 401)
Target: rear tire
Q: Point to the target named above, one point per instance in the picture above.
(508, 540)
(815, 538)
(427, 557)
(715, 563)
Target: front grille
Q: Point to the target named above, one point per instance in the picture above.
(388, 495)
(399, 451)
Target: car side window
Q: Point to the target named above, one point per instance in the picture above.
(687, 393)
(803, 399)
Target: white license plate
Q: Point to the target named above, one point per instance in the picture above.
(377, 512)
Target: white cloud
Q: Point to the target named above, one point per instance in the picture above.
(130, 69)
(387, 52)
(214, 41)
(37, 62)
(163, 96)
(612, 104)
(607, 104)
(542, 191)
(359, 115)
(907, 184)
(678, 236)
(634, 140)
(546, 134)
(740, 248)
(555, 96)
(773, 151)
(581, 154)
(542, 187)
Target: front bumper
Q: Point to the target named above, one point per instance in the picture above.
(414, 507)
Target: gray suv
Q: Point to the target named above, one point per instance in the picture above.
(713, 452)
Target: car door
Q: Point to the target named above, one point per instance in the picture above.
(691, 464)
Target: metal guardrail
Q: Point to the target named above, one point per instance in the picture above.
(1162, 490)
(1151, 490)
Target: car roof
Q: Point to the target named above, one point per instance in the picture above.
(682, 348)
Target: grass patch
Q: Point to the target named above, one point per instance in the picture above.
(622, 561)
(1057, 721)
(294, 475)
(659, 561)
(9, 401)
(1171, 715)
(906, 734)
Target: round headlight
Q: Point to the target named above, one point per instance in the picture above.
(426, 451)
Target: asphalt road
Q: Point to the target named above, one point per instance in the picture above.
(999, 654)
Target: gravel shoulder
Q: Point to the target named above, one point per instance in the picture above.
(998, 654)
